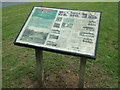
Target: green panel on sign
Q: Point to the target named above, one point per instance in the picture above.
(42, 18)
(44, 14)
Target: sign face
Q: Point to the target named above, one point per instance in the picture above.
(61, 30)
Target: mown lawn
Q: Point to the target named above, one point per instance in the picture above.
(18, 63)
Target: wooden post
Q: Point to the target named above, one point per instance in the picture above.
(82, 72)
(40, 68)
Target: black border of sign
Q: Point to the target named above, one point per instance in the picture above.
(60, 51)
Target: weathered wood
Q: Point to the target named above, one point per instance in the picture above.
(82, 72)
(40, 67)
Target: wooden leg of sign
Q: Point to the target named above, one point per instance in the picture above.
(40, 69)
(82, 72)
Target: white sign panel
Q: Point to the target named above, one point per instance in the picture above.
(62, 30)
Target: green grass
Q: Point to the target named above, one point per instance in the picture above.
(19, 62)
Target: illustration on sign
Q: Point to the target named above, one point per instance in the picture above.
(66, 30)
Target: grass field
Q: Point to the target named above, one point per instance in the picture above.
(19, 63)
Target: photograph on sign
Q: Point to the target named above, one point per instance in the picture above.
(66, 30)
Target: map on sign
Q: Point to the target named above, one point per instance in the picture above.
(65, 30)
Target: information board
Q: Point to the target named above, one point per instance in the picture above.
(61, 30)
